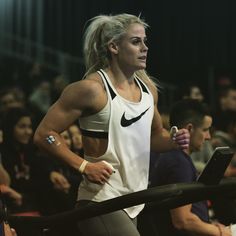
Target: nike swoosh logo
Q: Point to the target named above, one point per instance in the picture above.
(124, 122)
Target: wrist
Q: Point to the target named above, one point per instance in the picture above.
(219, 229)
(83, 166)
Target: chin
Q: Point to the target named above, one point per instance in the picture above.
(24, 142)
(198, 149)
(141, 67)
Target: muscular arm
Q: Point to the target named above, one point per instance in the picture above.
(61, 114)
(184, 219)
(79, 99)
(160, 139)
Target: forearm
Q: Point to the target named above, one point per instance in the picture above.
(198, 227)
(162, 142)
(195, 226)
(57, 148)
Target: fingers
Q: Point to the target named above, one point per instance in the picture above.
(111, 168)
(59, 181)
(182, 138)
(105, 176)
(13, 232)
(9, 231)
(99, 172)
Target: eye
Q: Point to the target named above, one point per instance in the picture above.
(136, 41)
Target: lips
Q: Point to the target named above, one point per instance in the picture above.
(143, 58)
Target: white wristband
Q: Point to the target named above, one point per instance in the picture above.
(82, 166)
(233, 229)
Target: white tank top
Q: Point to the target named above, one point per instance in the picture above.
(128, 147)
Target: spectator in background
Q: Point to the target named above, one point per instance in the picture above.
(226, 102)
(177, 167)
(225, 131)
(11, 97)
(18, 155)
(5, 181)
(58, 84)
(4, 177)
(5, 189)
(34, 74)
(227, 98)
(224, 118)
(76, 135)
(40, 100)
(191, 90)
(225, 135)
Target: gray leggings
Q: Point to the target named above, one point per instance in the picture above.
(112, 224)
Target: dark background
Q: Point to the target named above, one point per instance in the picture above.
(187, 39)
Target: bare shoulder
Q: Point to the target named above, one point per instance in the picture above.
(86, 94)
(89, 86)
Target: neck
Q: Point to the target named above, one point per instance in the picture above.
(187, 151)
(121, 71)
(119, 77)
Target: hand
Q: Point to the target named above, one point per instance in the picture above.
(9, 231)
(226, 231)
(11, 193)
(223, 230)
(181, 137)
(59, 181)
(98, 173)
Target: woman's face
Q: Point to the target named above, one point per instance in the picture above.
(132, 49)
(22, 132)
(66, 136)
(76, 136)
(196, 93)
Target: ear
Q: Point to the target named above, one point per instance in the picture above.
(190, 127)
(113, 48)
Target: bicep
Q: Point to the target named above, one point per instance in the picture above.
(157, 122)
(63, 112)
(77, 99)
(59, 117)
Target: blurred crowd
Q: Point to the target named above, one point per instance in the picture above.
(31, 182)
(222, 133)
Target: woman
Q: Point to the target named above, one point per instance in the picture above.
(17, 157)
(116, 107)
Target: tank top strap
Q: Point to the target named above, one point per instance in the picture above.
(142, 85)
(108, 87)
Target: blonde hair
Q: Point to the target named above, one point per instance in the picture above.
(102, 30)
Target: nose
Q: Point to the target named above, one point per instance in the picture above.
(29, 131)
(145, 47)
(208, 135)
